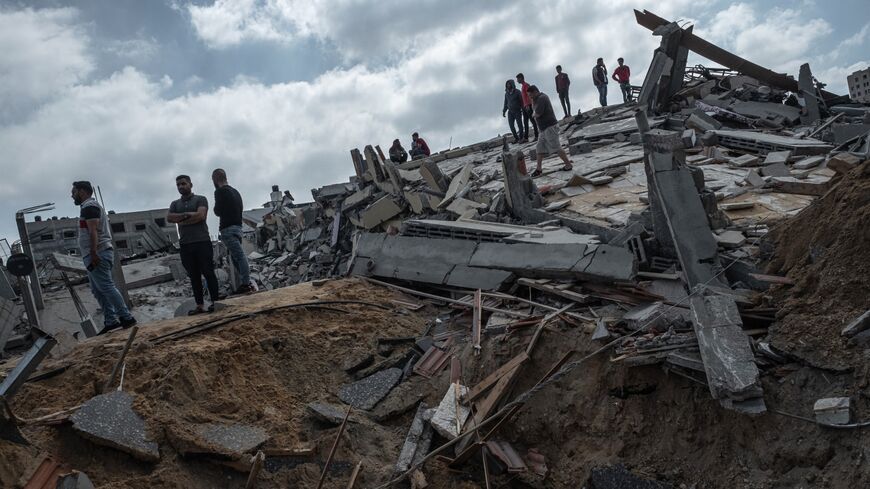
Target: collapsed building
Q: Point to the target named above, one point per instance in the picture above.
(660, 267)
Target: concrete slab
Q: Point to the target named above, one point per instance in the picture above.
(328, 413)
(753, 178)
(382, 210)
(730, 239)
(606, 264)
(109, 420)
(775, 170)
(832, 410)
(725, 349)
(233, 440)
(457, 184)
(777, 157)
(745, 160)
(528, 260)
(843, 162)
(367, 392)
(415, 441)
(808, 162)
(450, 412)
(478, 278)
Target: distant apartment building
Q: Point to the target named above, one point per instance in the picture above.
(859, 85)
(132, 233)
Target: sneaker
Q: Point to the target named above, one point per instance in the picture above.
(126, 323)
(244, 289)
(109, 327)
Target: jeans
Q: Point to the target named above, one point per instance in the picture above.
(527, 115)
(104, 290)
(417, 154)
(515, 119)
(231, 236)
(602, 94)
(566, 103)
(198, 260)
(626, 91)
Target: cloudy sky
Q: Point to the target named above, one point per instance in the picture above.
(130, 93)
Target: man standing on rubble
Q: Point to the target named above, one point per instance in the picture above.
(95, 246)
(513, 107)
(599, 78)
(228, 207)
(621, 75)
(549, 140)
(398, 153)
(419, 148)
(562, 84)
(189, 213)
(527, 108)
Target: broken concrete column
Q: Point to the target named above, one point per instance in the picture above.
(809, 94)
(418, 440)
(520, 190)
(673, 195)
(728, 359)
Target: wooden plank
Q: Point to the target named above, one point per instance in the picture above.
(475, 322)
(494, 377)
(547, 319)
(555, 290)
(772, 279)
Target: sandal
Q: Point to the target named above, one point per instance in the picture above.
(537, 173)
(567, 167)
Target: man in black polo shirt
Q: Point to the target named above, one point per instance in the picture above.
(228, 206)
(189, 213)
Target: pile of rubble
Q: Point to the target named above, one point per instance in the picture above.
(664, 211)
(650, 251)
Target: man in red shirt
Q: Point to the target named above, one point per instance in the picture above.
(621, 76)
(419, 148)
(527, 107)
(562, 84)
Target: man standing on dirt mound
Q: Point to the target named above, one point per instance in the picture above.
(228, 207)
(189, 213)
(95, 247)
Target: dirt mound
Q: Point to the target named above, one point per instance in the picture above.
(260, 371)
(826, 251)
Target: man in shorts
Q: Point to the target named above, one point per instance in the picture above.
(548, 142)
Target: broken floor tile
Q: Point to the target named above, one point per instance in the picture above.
(365, 393)
(328, 413)
(401, 399)
(109, 419)
(233, 440)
